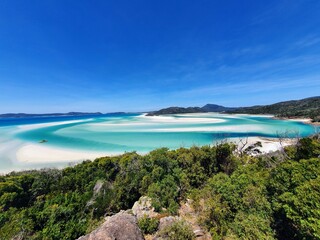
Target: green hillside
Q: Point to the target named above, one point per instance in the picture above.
(308, 107)
(236, 196)
(176, 110)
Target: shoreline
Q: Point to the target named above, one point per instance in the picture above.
(35, 153)
(34, 156)
(298, 119)
(268, 144)
(27, 155)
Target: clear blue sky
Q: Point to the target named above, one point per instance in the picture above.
(63, 55)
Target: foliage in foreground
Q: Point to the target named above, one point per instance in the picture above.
(178, 230)
(263, 197)
(148, 225)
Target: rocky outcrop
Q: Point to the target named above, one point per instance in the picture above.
(188, 213)
(96, 191)
(167, 221)
(174, 228)
(97, 187)
(143, 208)
(122, 226)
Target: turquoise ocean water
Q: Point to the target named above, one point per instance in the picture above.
(116, 133)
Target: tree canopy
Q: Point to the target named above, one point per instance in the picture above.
(235, 196)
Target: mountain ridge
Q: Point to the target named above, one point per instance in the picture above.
(306, 107)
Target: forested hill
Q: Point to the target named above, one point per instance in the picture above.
(308, 107)
(177, 110)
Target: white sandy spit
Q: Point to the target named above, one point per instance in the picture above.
(230, 128)
(41, 125)
(213, 114)
(171, 119)
(303, 120)
(36, 153)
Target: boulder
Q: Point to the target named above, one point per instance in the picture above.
(167, 230)
(96, 191)
(167, 221)
(121, 226)
(97, 187)
(143, 208)
(188, 213)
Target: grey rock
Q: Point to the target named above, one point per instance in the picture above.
(167, 221)
(143, 207)
(97, 187)
(121, 226)
(96, 191)
(198, 233)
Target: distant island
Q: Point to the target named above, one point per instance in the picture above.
(306, 108)
(303, 108)
(23, 115)
(178, 110)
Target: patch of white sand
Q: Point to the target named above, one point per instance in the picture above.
(167, 119)
(38, 153)
(304, 120)
(268, 144)
(41, 125)
(231, 128)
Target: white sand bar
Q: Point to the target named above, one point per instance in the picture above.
(36, 153)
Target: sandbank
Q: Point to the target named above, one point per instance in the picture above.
(41, 125)
(36, 153)
(303, 120)
(232, 128)
(172, 119)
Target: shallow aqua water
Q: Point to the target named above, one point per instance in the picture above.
(135, 132)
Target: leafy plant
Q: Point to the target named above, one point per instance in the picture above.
(178, 230)
(148, 225)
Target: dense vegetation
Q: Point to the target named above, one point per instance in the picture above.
(176, 110)
(308, 107)
(236, 195)
(179, 110)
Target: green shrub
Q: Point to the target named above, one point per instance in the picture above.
(179, 230)
(148, 225)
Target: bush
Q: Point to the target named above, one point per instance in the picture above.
(179, 230)
(148, 225)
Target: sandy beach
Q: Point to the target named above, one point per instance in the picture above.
(303, 120)
(268, 144)
(36, 153)
(188, 118)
